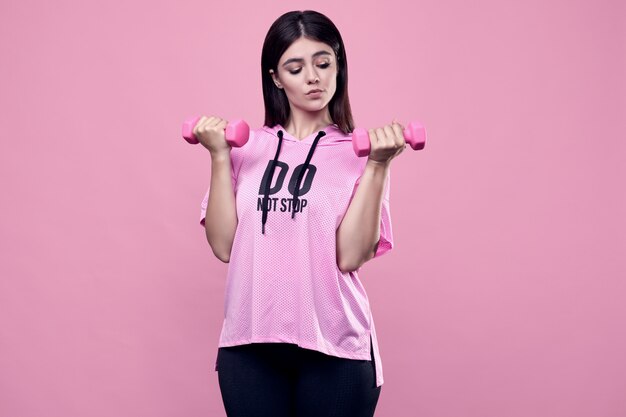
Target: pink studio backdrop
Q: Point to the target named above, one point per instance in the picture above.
(504, 296)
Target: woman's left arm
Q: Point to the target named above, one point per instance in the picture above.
(359, 232)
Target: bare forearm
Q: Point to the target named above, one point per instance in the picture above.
(359, 231)
(221, 214)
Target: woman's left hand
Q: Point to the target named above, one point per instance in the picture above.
(386, 143)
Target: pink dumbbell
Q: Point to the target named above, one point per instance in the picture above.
(236, 132)
(414, 135)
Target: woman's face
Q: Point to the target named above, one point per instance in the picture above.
(307, 65)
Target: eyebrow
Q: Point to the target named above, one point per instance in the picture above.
(302, 60)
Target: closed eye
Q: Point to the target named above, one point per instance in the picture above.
(321, 66)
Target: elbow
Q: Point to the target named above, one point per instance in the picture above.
(221, 252)
(222, 255)
(348, 266)
(350, 259)
(345, 269)
(225, 259)
(221, 247)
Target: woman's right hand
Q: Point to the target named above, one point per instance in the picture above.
(211, 133)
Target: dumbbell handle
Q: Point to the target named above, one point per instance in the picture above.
(236, 133)
(414, 135)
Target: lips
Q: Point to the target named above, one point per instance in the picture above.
(317, 90)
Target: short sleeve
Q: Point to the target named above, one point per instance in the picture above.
(385, 244)
(236, 161)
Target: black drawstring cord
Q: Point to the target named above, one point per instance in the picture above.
(268, 182)
(296, 191)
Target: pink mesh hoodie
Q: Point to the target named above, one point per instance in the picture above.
(283, 283)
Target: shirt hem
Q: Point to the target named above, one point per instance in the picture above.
(333, 352)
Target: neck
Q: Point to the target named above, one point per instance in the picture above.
(302, 125)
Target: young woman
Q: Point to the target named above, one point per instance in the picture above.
(296, 213)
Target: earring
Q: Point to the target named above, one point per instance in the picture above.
(275, 83)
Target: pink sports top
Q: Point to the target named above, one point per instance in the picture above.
(283, 283)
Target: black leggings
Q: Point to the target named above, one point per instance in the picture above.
(285, 380)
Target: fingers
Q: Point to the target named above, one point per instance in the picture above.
(381, 135)
(387, 142)
(373, 136)
(199, 123)
(389, 136)
(398, 133)
(397, 122)
(206, 123)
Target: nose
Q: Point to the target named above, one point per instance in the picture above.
(312, 76)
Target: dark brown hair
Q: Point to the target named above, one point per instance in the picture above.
(284, 31)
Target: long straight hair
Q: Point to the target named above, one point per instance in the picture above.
(284, 31)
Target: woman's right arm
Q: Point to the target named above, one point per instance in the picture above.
(221, 213)
(220, 220)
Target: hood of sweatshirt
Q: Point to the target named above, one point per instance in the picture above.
(329, 136)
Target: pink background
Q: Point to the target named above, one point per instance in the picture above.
(504, 296)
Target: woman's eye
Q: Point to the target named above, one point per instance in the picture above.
(326, 65)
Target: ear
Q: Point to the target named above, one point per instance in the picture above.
(276, 81)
